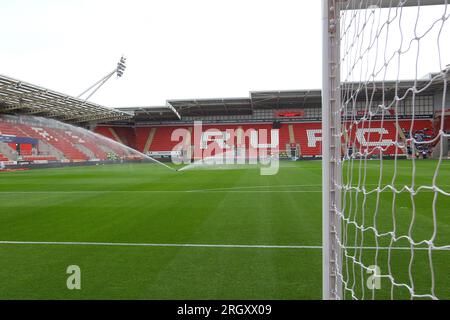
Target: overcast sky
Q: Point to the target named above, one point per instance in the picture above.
(175, 48)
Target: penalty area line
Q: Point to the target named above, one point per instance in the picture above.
(202, 245)
(155, 191)
(126, 244)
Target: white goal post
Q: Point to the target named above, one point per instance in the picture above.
(357, 61)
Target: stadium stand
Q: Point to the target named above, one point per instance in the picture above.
(3, 158)
(296, 114)
(162, 139)
(53, 143)
(307, 135)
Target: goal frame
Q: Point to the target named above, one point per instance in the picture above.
(331, 128)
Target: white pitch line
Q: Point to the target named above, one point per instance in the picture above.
(256, 187)
(286, 186)
(200, 245)
(168, 191)
(157, 191)
(124, 244)
(254, 191)
(231, 189)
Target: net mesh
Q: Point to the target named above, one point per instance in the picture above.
(393, 214)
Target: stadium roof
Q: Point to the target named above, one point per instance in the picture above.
(150, 113)
(178, 109)
(286, 99)
(206, 107)
(20, 97)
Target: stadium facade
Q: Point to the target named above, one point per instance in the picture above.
(25, 139)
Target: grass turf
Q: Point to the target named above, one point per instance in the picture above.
(146, 203)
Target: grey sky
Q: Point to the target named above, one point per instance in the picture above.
(175, 48)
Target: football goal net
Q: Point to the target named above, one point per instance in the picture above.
(386, 195)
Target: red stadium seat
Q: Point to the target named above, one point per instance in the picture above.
(70, 145)
(307, 135)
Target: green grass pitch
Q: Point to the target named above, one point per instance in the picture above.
(149, 204)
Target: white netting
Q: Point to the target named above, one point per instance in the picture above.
(394, 211)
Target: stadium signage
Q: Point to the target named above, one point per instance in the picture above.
(296, 113)
(18, 140)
